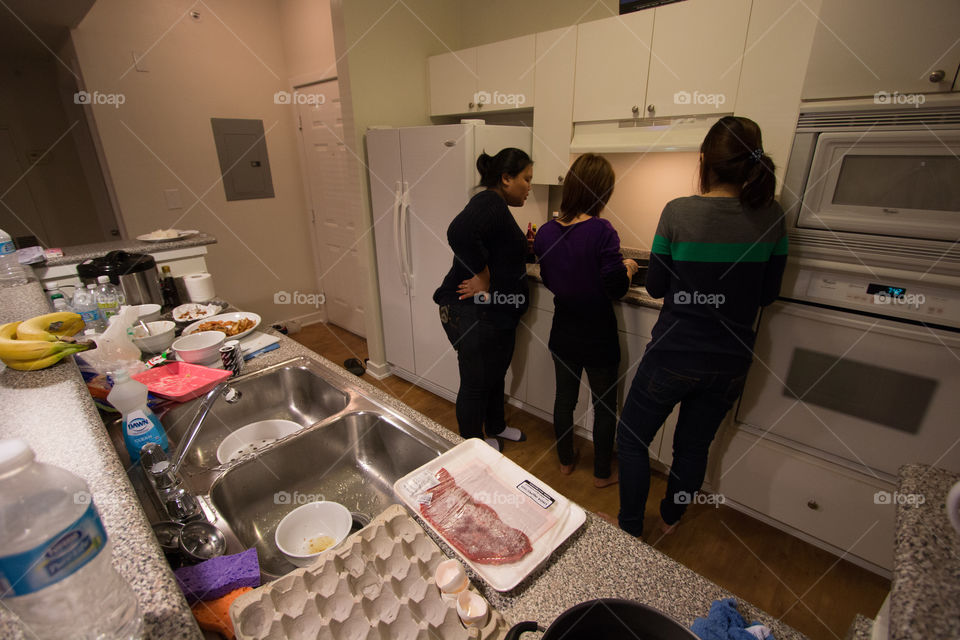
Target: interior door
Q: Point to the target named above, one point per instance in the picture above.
(336, 213)
(437, 170)
(386, 183)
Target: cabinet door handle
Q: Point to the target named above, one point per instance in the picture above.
(559, 179)
(471, 105)
(635, 109)
(938, 76)
(812, 504)
(651, 108)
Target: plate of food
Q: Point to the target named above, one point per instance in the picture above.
(167, 235)
(236, 325)
(193, 311)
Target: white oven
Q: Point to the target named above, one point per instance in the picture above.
(877, 183)
(860, 366)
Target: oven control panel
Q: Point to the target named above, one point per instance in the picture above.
(902, 299)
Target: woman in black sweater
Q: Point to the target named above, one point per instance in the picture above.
(485, 292)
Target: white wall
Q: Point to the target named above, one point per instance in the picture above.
(228, 64)
(307, 30)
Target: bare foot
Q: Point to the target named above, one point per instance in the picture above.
(567, 469)
(609, 518)
(600, 483)
(666, 529)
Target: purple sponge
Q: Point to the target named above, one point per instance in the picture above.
(217, 577)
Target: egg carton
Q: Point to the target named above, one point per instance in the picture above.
(377, 585)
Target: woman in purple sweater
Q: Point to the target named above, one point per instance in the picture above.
(581, 264)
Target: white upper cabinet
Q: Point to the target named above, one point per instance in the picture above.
(453, 82)
(492, 77)
(865, 47)
(696, 57)
(506, 74)
(553, 86)
(613, 57)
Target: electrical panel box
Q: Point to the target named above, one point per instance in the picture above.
(244, 164)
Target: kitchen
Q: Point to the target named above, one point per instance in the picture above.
(158, 141)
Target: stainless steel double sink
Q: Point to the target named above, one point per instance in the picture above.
(351, 449)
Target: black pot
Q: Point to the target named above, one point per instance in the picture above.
(609, 619)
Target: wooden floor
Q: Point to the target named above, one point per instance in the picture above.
(806, 587)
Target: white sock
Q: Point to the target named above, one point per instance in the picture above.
(511, 433)
(493, 443)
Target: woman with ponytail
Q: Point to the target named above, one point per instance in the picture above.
(716, 259)
(485, 293)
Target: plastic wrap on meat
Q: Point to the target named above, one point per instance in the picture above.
(472, 528)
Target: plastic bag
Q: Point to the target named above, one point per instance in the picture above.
(115, 350)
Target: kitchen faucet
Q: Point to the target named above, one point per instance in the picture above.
(230, 394)
(179, 504)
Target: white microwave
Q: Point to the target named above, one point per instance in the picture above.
(861, 172)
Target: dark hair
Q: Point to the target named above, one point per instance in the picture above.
(732, 153)
(587, 187)
(510, 161)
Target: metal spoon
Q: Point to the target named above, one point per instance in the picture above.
(145, 327)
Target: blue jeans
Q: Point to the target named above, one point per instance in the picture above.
(705, 397)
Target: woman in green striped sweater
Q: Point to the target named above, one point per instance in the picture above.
(716, 259)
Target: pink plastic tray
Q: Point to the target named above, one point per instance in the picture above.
(181, 381)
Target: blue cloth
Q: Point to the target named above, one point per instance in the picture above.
(722, 623)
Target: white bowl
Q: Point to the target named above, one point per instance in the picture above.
(200, 348)
(147, 312)
(161, 336)
(253, 436)
(302, 526)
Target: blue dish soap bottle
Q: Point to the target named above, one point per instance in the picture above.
(140, 425)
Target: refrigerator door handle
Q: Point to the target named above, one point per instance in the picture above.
(397, 238)
(405, 244)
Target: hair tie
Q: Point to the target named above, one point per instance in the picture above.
(756, 155)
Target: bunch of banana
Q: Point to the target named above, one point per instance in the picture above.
(40, 342)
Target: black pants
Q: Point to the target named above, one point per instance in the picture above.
(705, 397)
(484, 340)
(603, 389)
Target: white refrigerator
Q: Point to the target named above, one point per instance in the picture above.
(420, 178)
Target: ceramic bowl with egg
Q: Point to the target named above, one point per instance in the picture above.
(202, 347)
(311, 529)
(161, 336)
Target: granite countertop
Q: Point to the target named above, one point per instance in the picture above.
(581, 569)
(52, 410)
(637, 296)
(925, 597)
(79, 253)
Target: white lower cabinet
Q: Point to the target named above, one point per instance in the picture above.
(852, 513)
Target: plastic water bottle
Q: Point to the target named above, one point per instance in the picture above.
(85, 303)
(55, 568)
(108, 300)
(11, 271)
(140, 426)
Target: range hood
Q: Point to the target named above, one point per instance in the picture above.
(647, 134)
